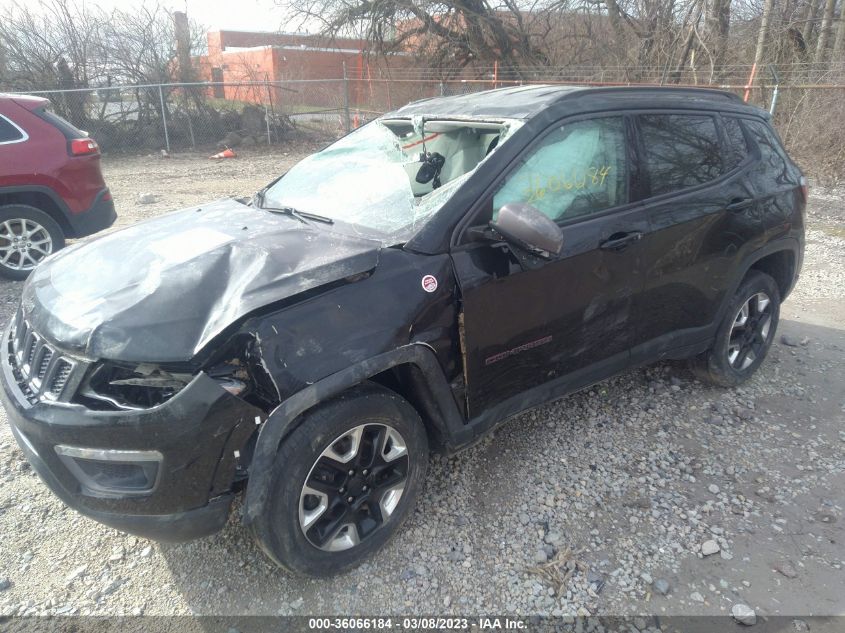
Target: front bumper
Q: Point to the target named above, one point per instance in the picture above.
(101, 215)
(196, 433)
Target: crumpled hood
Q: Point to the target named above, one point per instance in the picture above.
(160, 290)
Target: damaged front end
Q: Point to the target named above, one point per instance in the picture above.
(111, 386)
(116, 387)
(150, 449)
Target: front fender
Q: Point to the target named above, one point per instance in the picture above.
(282, 420)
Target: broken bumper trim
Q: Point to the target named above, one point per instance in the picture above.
(166, 528)
(197, 433)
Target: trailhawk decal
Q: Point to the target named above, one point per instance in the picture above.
(429, 283)
(517, 350)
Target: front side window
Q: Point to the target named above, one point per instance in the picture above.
(577, 170)
(680, 151)
(9, 132)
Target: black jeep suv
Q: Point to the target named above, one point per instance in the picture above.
(412, 285)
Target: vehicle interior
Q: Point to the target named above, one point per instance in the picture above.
(440, 151)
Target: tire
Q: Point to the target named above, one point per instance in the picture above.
(740, 349)
(304, 533)
(21, 221)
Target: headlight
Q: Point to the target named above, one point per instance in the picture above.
(141, 386)
(232, 385)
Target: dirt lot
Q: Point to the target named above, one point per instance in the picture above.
(600, 503)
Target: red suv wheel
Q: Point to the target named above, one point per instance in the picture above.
(27, 236)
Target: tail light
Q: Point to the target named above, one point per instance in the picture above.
(805, 189)
(84, 147)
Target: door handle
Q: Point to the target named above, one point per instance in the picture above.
(620, 241)
(739, 204)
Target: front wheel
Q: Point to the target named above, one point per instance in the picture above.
(745, 334)
(343, 481)
(27, 236)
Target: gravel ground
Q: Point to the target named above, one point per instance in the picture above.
(648, 494)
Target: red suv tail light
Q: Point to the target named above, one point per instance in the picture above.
(805, 188)
(83, 147)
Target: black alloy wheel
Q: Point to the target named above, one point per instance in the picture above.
(745, 333)
(343, 481)
(749, 334)
(353, 487)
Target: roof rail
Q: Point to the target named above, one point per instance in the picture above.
(713, 92)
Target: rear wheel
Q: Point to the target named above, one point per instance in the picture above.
(27, 236)
(745, 334)
(343, 481)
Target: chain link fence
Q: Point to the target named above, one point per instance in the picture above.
(200, 116)
(806, 99)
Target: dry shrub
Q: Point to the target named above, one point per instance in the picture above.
(811, 123)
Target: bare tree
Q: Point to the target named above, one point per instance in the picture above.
(74, 44)
(839, 42)
(454, 33)
(809, 18)
(763, 34)
(3, 62)
(825, 29)
(51, 43)
(689, 40)
(717, 27)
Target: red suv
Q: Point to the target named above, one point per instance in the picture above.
(51, 185)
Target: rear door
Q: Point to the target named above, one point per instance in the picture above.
(701, 211)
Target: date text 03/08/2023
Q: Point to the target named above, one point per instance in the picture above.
(427, 623)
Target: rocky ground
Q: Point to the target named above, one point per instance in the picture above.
(650, 494)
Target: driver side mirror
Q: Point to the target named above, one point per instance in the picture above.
(527, 228)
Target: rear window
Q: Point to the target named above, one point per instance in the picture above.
(65, 127)
(9, 132)
(737, 148)
(773, 161)
(681, 150)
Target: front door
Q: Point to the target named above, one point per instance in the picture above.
(571, 316)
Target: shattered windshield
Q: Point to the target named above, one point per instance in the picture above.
(389, 176)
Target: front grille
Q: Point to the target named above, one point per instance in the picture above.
(41, 371)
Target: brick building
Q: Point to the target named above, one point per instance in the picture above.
(253, 56)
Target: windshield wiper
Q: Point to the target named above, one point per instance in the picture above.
(259, 197)
(303, 216)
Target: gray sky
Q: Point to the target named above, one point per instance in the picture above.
(252, 15)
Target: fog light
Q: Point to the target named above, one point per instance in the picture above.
(106, 472)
